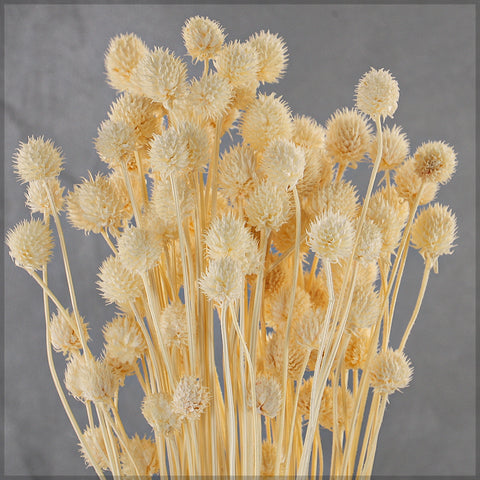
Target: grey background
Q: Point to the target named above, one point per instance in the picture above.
(55, 86)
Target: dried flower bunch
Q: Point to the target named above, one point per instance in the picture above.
(199, 231)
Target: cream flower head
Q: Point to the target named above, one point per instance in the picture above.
(190, 398)
(435, 162)
(331, 236)
(116, 142)
(377, 93)
(158, 412)
(390, 371)
(38, 159)
(395, 148)
(268, 395)
(203, 38)
(37, 199)
(31, 244)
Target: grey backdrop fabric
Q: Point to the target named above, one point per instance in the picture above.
(55, 86)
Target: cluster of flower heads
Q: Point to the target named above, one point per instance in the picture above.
(182, 214)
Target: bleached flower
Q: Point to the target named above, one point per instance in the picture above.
(223, 281)
(331, 236)
(64, 333)
(30, 243)
(94, 205)
(326, 416)
(190, 398)
(203, 38)
(144, 452)
(266, 118)
(283, 163)
(365, 308)
(238, 63)
(370, 243)
(269, 456)
(434, 231)
(268, 206)
(348, 137)
(306, 132)
(395, 148)
(173, 325)
(37, 199)
(390, 371)
(38, 159)
(377, 93)
(168, 153)
(237, 173)
(435, 162)
(272, 55)
(357, 350)
(210, 96)
(95, 442)
(268, 395)
(158, 412)
(162, 76)
(116, 142)
(123, 55)
(138, 250)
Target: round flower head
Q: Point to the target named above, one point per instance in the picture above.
(365, 308)
(307, 132)
(196, 140)
(409, 183)
(223, 281)
(268, 206)
(390, 371)
(434, 232)
(203, 38)
(210, 96)
(94, 205)
(31, 244)
(238, 63)
(124, 341)
(138, 112)
(168, 153)
(190, 398)
(331, 237)
(283, 163)
(90, 379)
(357, 350)
(162, 77)
(370, 243)
(435, 162)
(173, 325)
(272, 55)
(158, 412)
(63, 333)
(138, 251)
(144, 453)
(38, 159)
(266, 118)
(94, 440)
(123, 55)
(348, 137)
(307, 328)
(326, 417)
(395, 148)
(377, 93)
(276, 306)
(115, 143)
(38, 199)
(117, 284)
(237, 172)
(228, 236)
(268, 395)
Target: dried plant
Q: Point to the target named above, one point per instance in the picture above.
(199, 231)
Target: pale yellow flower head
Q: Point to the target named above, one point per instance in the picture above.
(158, 412)
(31, 244)
(190, 398)
(370, 243)
(268, 395)
(203, 38)
(268, 206)
(144, 453)
(266, 118)
(37, 199)
(435, 162)
(306, 132)
(116, 142)
(331, 236)
(283, 163)
(162, 77)
(395, 148)
(390, 371)
(38, 159)
(348, 137)
(173, 325)
(238, 63)
(64, 333)
(272, 55)
(122, 57)
(93, 438)
(434, 231)
(377, 93)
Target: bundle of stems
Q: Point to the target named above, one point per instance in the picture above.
(264, 239)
